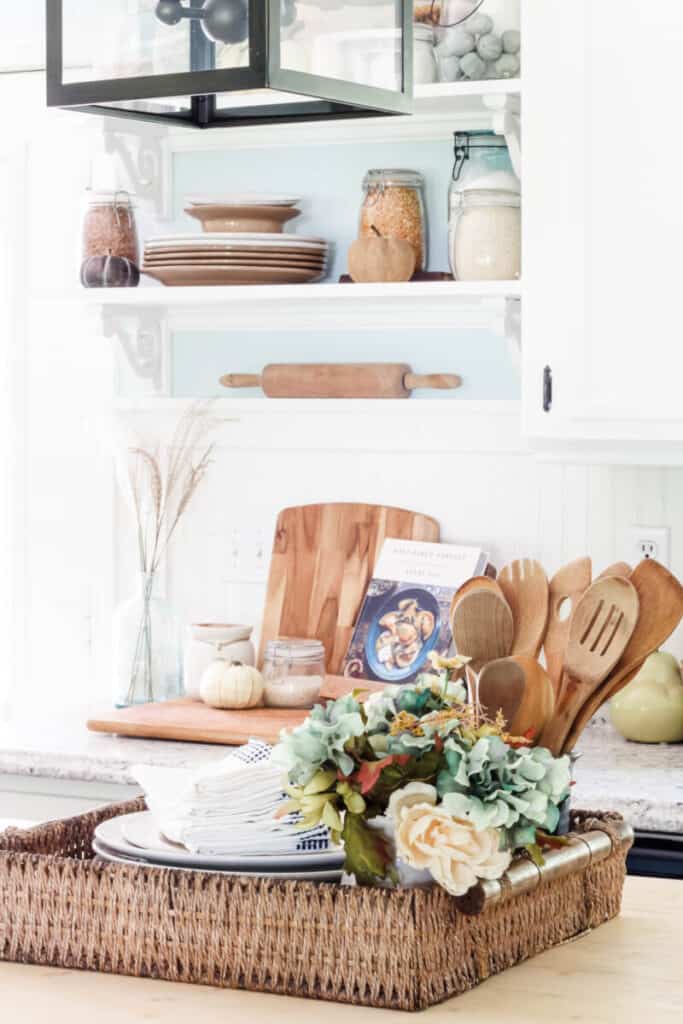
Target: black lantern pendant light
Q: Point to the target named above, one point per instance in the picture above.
(227, 62)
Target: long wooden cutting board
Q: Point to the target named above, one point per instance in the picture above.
(322, 562)
(195, 722)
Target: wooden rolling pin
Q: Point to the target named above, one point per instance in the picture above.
(340, 380)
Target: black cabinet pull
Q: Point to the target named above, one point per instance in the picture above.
(547, 389)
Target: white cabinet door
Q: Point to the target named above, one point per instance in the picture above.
(603, 219)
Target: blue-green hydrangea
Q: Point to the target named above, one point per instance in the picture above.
(494, 785)
(319, 740)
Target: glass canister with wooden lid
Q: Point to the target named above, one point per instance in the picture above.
(393, 205)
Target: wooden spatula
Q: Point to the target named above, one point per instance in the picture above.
(482, 625)
(602, 625)
(567, 585)
(525, 587)
(522, 690)
(661, 610)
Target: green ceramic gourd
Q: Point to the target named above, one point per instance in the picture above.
(650, 708)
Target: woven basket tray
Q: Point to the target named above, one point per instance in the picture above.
(406, 949)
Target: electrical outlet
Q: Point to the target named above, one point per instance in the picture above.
(638, 542)
(246, 558)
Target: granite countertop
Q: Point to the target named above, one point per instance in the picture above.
(642, 782)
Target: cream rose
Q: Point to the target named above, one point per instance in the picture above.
(452, 850)
(413, 793)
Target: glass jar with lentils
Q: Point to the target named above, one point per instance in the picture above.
(393, 205)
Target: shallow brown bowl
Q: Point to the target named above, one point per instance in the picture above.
(239, 219)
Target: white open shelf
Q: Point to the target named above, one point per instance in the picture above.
(464, 98)
(438, 110)
(432, 304)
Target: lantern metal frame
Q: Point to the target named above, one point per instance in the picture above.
(330, 98)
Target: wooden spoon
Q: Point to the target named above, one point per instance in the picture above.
(482, 625)
(602, 625)
(525, 586)
(475, 583)
(617, 569)
(521, 689)
(661, 610)
(567, 585)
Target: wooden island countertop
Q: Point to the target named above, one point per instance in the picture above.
(629, 970)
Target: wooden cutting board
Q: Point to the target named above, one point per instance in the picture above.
(194, 722)
(323, 559)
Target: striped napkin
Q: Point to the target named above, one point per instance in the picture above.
(227, 808)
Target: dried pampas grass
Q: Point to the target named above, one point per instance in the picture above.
(162, 481)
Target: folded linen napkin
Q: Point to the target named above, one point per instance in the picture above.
(227, 808)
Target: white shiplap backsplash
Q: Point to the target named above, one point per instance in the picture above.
(506, 501)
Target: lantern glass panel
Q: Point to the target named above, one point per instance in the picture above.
(127, 39)
(357, 41)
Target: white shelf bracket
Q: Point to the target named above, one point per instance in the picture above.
(506, 121)
(145, 342)
(513, 330)
(142, 157)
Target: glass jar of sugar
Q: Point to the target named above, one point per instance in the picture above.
(486, 242)
(293, 672)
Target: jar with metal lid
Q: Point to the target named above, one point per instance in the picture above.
(393, 205)
(109, 226)
(486, 236)
(482, 162)
(293, 672)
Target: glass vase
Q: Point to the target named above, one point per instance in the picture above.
(147, 648)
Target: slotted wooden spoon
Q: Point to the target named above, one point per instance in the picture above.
(520, 688)
(565, 589)
(482, 626)
(661, 610)
(525, 587)
(602, 625)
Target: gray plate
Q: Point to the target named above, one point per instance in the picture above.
(117, 835)
(103, 851)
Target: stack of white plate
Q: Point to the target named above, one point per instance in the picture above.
(135, 839)
(235, 258)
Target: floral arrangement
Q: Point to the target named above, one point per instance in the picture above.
(416, 773)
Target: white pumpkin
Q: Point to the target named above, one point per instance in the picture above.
(226, 684)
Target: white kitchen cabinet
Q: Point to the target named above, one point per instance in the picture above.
(603, 221)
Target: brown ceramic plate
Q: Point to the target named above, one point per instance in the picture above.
(238, 274)
(313, 268)
(226, 250)
(248, 219)
(242, 257)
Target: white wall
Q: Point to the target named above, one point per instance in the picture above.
(59, 483)
(504, 500)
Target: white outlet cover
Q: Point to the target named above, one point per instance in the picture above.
(638, 542)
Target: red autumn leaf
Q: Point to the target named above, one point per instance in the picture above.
(370, 771)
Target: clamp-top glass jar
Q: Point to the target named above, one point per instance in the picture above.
(293, 672)
(109, 227)
(483, 178)
(394, 206)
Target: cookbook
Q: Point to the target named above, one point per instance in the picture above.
(406, 611)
